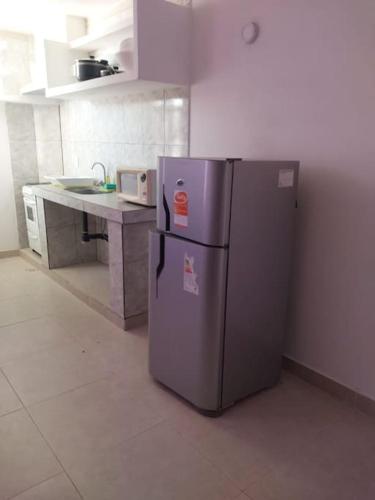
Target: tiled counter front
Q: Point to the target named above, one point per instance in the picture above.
(64, 228)
(61, 226)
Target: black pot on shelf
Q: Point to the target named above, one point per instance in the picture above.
(86, 69)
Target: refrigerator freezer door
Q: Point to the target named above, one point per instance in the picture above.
(186, 318)
(194, 199)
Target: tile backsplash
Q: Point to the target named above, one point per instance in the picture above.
(48, 140)
(131, 131)
(68, 138)
(21, 135)
(16, 50)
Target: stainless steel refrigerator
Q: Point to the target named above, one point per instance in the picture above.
(219, 276)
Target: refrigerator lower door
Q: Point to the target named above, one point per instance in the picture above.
(194, 197)
(186, 318)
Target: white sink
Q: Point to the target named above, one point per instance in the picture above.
(72, 181)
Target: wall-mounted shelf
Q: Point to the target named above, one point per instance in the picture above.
(33, 89)
(55, 60)
(30, 99)
(161, 43)
(161, 33)
(109, 37)
(116, 85)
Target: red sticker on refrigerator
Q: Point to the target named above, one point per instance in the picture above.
(180, 208)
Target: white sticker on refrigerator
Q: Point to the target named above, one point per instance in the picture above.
(286, 178)
(190, 277)
(180, 208)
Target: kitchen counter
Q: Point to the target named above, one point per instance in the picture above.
(124, 252)
(105, 205)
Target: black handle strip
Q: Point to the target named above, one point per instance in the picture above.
(167, 213)
(160, 267)
(161, 264)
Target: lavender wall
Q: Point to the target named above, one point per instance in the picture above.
(305, 90)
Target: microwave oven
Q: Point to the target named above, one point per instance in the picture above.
(137, 185)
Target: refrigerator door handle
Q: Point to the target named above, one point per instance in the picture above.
(167, 212)
(161, 264)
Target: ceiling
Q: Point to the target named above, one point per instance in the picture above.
(20, 15)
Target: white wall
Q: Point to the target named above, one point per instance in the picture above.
(16, 50)
(8, 221)
(305, 90)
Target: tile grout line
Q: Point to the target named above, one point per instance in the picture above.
(15, 392)
(166, 419)
(40, 350)
(34, 486)
(205, 458)
(216, 467)
(44, 439)
(6, 325)
(129, 438)
(54, 454)
(11, 412)
(26, 408)
(68, 391)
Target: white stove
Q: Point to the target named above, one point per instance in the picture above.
(31, 218)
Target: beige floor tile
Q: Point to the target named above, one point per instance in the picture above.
(40, 303)
(291, 400)
(62, 304)
(338, 464)
(188, 421)
(25, 275)
(286, 486)
(92, 278)
(17, 309)
(124, 351)
(57, 488)
(23, 279)
(157, 464)
(261, 433)
(94, 417)
(9, 289)
(287, 415)
(41, 291)
(52, 371)
(8, 398)
(163, 400)
(9, 261)
(93, 330)
(302, 482)
(122, 435)
(22, 339)
(25, 459)
(121, 358)
(234, 453)
(12, 265)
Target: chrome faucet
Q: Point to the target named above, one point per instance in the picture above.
(104, 170)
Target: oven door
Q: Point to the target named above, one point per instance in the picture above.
(31, 215)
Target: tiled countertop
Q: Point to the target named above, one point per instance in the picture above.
(107, 206)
